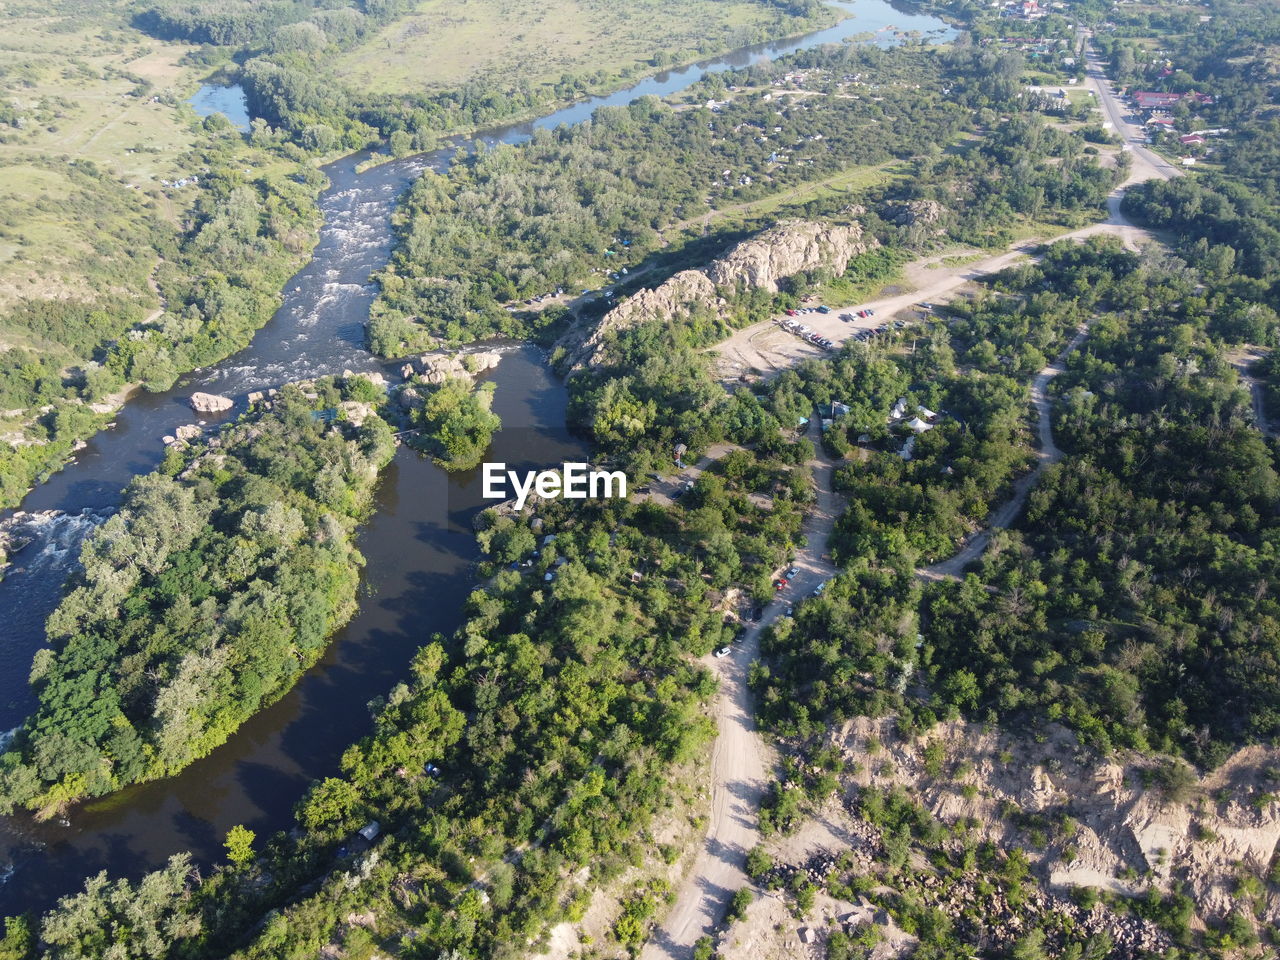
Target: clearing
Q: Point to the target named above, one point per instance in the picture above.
(535, 43)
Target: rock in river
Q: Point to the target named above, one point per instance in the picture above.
(209, 403)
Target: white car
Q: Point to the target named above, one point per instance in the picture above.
(722, 653)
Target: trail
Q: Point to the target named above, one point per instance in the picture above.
(740, 761)
(1048, 453)
(1243, 360)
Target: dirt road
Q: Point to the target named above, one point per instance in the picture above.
(741, 760)
(1048, 453)
(767, 348)
(1244, 360)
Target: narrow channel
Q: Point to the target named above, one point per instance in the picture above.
(418, 545)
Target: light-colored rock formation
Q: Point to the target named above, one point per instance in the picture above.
(759, 263)
(188, 431)
(209, 403)
(438, 367)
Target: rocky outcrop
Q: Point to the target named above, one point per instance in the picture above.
(787, 249)
(210, 403)
(438, 367)
(924, 215)
(759, 263)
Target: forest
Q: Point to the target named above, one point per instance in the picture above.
(1131, 601)
(536, 745)
(202, 600)
(575, 208)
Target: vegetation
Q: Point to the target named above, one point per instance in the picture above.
(334, 75)
(1129, 603)
(456, 423)
(111, 272)
(201, 601)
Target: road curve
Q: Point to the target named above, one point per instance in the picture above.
(1048, 453)
(740, 761)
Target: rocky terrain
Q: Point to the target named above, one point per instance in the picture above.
(762, 262)
(1121, 826)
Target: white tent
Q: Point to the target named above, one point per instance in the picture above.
(926, 413)
(917, 425)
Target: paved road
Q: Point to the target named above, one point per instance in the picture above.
(741, 762)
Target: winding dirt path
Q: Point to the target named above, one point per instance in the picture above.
(741, 761)
(1243, 360)
(1048, 453)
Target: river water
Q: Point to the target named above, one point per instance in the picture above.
(419, 545)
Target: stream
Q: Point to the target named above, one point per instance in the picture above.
(419, 543)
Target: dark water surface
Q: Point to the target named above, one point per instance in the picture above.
(418, 545)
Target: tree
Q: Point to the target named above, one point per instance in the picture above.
(117, 920)
(329, 803)
(240, 844)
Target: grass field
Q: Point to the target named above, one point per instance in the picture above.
(444, 44)
(98, 126)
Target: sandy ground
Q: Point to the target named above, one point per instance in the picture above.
(1125, 837)
(741, 761)
(1243, 360)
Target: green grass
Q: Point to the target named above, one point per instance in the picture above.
(444, 44)
(90, 90)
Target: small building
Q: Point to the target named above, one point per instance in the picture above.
(370, 830)
(1191, 140)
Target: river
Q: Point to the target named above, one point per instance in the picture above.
(419, 545)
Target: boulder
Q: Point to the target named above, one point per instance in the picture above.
(438, 367)
(188, 431)
(210, 403)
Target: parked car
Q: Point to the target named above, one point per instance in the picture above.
(791, 574)
(722, 652)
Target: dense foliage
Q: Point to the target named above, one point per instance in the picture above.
(456, 423)
(201, 601)
(1132, 601)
